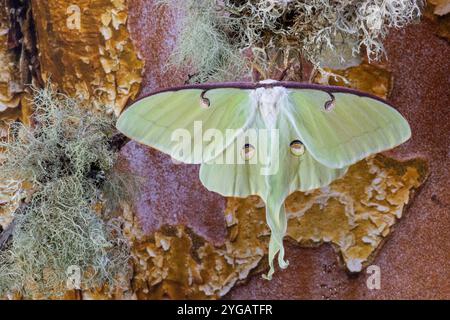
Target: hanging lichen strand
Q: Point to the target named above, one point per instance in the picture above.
(64, 165)
(215, 36)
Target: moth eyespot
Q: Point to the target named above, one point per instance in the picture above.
(248, 152)
(297, 148)
(329, 105)
(204, 102)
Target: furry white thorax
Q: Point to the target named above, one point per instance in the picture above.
(269, 101)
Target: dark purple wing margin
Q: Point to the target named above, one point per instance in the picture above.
(251, 86)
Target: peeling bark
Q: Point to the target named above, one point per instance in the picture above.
(85, 50)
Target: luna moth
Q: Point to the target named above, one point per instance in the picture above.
(320, 132)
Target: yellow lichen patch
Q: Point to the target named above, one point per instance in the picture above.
(371, 78)
(9, 201)
(11, 191)
(177, 264)
(86, 50)
(9, 73)
(357, 212)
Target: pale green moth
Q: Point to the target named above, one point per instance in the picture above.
(320, 132)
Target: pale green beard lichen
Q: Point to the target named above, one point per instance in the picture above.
(68, 159)
(215, 34)
(204, 44)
